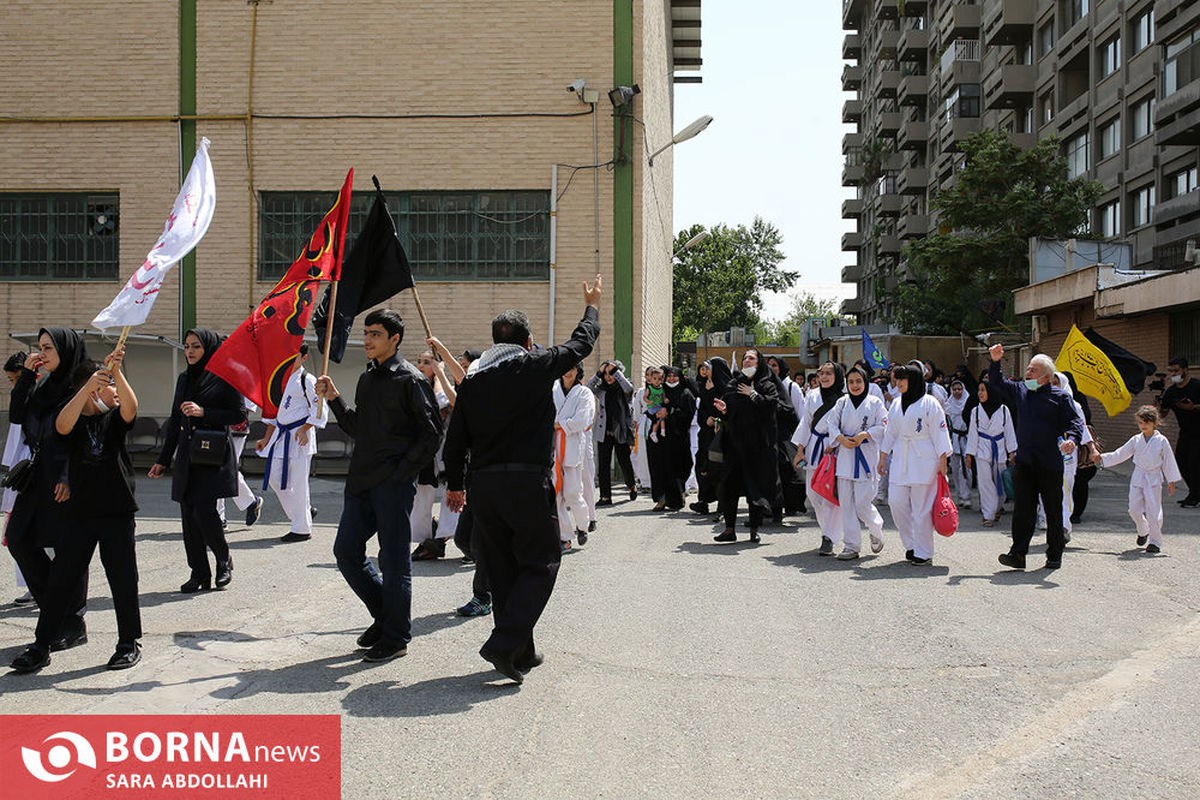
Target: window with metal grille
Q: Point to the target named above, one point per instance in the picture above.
(59, 237)
(448, 236)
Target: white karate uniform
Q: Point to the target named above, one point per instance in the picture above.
(297, 408)
(576, 410)
(857, 466)
(990, 438)
(694, 433)
(15, 451)
(1153, 463)
(874, 390)
(420, 520)
(815, 443)
(916, 439)
(245, 496)
(795, 395)
(960, 476)
(938, 391)
(641, 466)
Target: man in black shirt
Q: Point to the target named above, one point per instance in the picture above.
(396, 429)
(1183, 397)
(504, 421)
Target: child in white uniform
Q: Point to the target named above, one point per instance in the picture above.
(857, 423)
(959, 470)
(576, 408)
(991, 442)
(1153, 462)
(811, 444)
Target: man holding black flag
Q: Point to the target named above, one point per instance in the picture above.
(504, 422)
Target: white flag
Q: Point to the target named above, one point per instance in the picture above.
(185, 228)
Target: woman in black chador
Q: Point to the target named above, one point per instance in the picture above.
(748, 441)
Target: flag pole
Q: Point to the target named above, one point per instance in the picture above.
(421, 312)
(120, 342)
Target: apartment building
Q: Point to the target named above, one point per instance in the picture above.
(462, 110)
(1117, 81)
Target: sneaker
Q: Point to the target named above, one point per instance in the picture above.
(126, 656)
(1012, 560)
(1141, 540)
(909, 555)
(384, 652)
(581, 537)
(1153, 548)
(254, 511)
(24, 599)
(33, 659)
(989, 523)
(592, 526)
(295, 537)
(430, 550)
(654, 436)
(847, 555)
(921, 562)
(474, 608)
(726, 535)
(699, 508)
(876, 544)
(371, 636)
(564, 547)
(826, 548)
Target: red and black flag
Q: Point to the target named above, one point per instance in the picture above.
(258, 358)
(376, 268)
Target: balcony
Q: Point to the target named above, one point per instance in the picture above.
(886, 9)
(959, 51)
(956, 131)
(852, 273)
(851, 142)
(853, 174)
(914, 89)
(852, 111)
(913, 226)
(913, 136)
(890, 245)
(1172, 17)
(888, 83)
(851, 306)
(960, 21)
(888, 41)
(851, 47)
(914, 45)
(1176, 207)
(889, 205)
(1011, 87)
(851, 241)
(1008, 22)
(914, 180)
(1177, 115)
(888, 123)
(852, 13)
(851, 77)
(852, 208)
(1022, 140)
(916, 8)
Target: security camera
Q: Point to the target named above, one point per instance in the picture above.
(577, 86)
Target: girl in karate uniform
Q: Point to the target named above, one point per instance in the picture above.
(919, 444)
(991, 442)
(960, 475)
(1070, 460)
(857, 423)
(1153, 462)
(811, 444)
(576, 408)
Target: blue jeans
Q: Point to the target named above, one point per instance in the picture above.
(383, 509)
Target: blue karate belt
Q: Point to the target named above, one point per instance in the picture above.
(818, 448)
(283, 431)
(860, 462)
(996, 471)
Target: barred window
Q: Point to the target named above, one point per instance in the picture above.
(59, 237)
(448, 236)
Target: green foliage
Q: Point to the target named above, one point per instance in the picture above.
(791, 330)
(719, 283)
(1004, 196)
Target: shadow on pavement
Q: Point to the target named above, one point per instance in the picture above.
(717, 548)
(431, 623)
(1011, 577)
(898, 570)
(455, 694)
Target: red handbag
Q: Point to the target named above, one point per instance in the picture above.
(945, 513)
(824, 480)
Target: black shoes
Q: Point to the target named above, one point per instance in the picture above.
(1152, 548)
(371, 636)
(504, 665)
(1012, 560)
(126, 656)
(699, 508)
(524, 665)
(224, 574)
(385, 652)
(430, 550)
(75, 634)
(909, 555)
(33, 659)
(604, 501)
(826, 548)
(921, 562)
(1053, 563)
(254, 511)
(581, 536)
(592, 526)
(195, 584)
(754, 536)
(726, 535)
(632, 493)
(295, 537)
(1141, 540)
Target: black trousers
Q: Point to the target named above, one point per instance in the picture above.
(1187, 456)
(202, 532)
(665, 485)
(732, 488)
(114, 535)
(1079, 493)
(706, 474)
(37, 567)
(794, 489)
(1030, 483)
(465, 540)
(608, 446)
(516, 527)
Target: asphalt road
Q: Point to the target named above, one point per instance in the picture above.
(681, 668)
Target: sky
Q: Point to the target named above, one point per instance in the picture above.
(772, 82)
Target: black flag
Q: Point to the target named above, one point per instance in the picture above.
(1134, 370)
(375, 269)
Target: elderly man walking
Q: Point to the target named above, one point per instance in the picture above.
(1047, 428)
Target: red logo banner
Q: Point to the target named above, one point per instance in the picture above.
(111, 756)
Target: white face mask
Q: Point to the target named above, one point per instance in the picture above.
(1176, 379)
(672, 384)
(100, 404)
(749, 371)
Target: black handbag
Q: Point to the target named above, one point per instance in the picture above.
(209, 448)
(20, 475)
(716, 450)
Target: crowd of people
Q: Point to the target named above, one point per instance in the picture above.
(509, 452)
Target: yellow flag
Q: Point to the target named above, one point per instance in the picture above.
(1094, 372)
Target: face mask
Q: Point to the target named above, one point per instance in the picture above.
(672, 384)
(749, 371)
(1176, 379)
(1032, 384)
(100, 404)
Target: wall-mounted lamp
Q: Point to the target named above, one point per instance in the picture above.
(690, 243)
(623, 95)
(685, 134)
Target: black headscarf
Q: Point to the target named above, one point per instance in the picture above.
(722, 376)
(784, 369)
(55, 389)
(857, 399)
(830, 396)
(993, 401)
(196, 374)
(916, 387)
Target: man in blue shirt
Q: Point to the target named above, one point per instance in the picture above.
(1047, 428)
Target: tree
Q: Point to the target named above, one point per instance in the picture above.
(789, 330)
(718, 284)
(962, 277)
